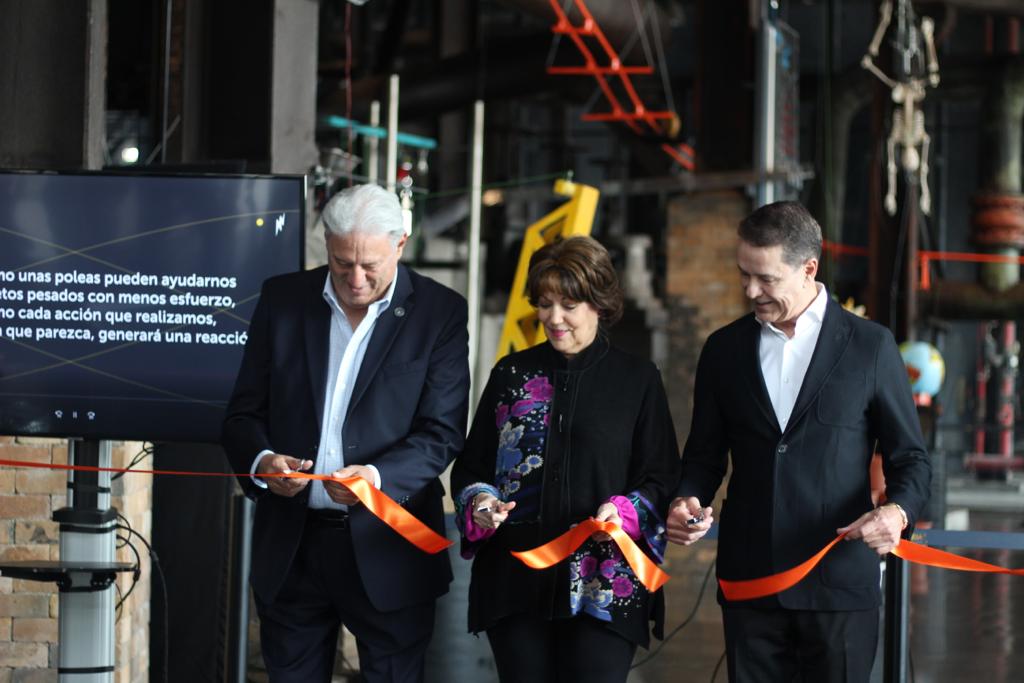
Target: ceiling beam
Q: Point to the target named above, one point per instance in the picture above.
(996, 6)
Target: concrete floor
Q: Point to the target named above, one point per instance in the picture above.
(964, 626)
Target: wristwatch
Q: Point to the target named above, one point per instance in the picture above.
(903, 513)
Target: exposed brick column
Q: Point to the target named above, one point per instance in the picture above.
(132, 495)
(702, 286)
(28, 609)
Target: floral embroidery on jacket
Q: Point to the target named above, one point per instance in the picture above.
(521, 417)
(600, 579)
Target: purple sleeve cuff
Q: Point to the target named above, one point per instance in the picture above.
(627, 513)
(472, 531)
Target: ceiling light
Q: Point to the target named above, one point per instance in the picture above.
(129, 155)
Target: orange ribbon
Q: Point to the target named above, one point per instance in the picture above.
(391, 513)
(377, 502)
(776, 583)
(554, 551)
(932, 557)
(906, 550)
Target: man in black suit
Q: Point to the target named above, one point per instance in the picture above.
(799, 393)
(356, 369)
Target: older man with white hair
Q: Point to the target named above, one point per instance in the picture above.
(358, 368)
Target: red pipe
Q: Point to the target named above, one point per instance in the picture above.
(1007, 382)
(981, 392)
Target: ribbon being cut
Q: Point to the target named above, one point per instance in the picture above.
(418, 533)
(558, 549)
(378, 503)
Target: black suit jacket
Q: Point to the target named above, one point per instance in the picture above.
(790, 490)
(407, 417)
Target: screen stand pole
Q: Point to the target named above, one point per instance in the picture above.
(85, 617)
(242, 511)
(897, 619)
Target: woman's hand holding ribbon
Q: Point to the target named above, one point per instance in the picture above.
(606, 513)
(557, 549)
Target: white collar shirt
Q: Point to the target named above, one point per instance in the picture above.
(784, 360)
(346, 352)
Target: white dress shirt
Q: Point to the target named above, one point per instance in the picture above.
(346, 350)
(784, 360)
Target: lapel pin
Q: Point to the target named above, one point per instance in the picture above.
(399, 312)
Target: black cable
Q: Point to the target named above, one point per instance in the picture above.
(146, 451)
(167, 627)
(930, 243)
(350, 670)
(122, 542)
(155, 563)
(717, 667)
(136, 572)
(897, 271)
(687, 620)
(117, 615)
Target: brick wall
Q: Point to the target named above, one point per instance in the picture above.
(702, 286)
(132, 495)
(28, 609)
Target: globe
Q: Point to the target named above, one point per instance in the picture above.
(925, 367)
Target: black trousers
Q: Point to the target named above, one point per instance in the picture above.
(793, 645)
(299, 631)
(578, 650)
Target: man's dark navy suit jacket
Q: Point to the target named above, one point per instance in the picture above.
(407, 418)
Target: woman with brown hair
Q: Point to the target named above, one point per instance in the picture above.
(569, 429)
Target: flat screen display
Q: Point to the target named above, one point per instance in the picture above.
(125, 299)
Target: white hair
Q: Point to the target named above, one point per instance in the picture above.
(369, 209)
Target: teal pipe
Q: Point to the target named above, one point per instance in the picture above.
(340, 122)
